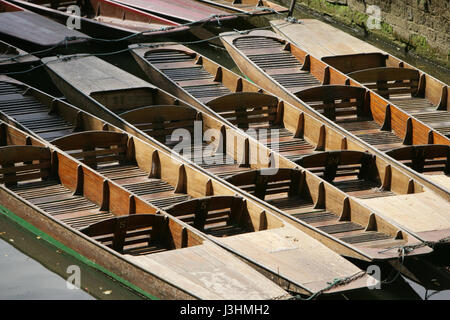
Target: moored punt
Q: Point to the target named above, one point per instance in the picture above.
(12, 58)
(317, 88)
(253, 7)
(92, 214)
(105, 18)
(408, 88)
(19, 24)
(155, 121)
(292, 258)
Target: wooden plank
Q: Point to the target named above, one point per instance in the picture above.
(327, 40)
(419, 212)
(209, 272)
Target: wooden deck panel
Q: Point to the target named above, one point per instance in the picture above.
(328, 40)
(208, 270)
(275, 249)
(417, 212)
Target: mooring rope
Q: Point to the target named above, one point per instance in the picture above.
(149, 45)
(136, 34)
(412, 247)
(333, 284)
(402, 250)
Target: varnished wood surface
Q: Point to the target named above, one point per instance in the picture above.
(321, 39)
(15, 22)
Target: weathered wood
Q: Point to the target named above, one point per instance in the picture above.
(106, 18)
(20, 24)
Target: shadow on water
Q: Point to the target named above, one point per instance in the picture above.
(42, 273)
(33, 269)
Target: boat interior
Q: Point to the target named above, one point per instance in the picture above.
(80, 198)
(156, 178)
(405, 87)
(296, 71)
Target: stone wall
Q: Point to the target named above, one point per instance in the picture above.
(419, 25)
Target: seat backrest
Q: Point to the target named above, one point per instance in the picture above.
(117, 232)
(335, 101)
(244, 108)
(94, 147)
(424, 158)
(206, 211)
(262, 182)
(332, 164)
(23, 163)
(160, 122)
(353, 62)
(388, 81)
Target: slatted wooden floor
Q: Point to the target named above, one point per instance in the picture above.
(31, 113)
(423, 110)
(284, 68)
(287, 144)
(328, 222)
(58, 201)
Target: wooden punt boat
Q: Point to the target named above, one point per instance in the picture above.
(252, 7)
(19, 24)
(105, 18)
(153, 121)
(311, 85)
(116, 228)
(13, 58)
(241, 225)
(410, 89)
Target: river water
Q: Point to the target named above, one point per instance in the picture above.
(31, 268)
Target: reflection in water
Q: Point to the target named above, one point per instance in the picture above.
(427, 294)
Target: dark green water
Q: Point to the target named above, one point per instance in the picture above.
(33, 269)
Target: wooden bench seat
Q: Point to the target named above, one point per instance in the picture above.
(424, 158)
(137, 233)
(286, 190)
(219, 216)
